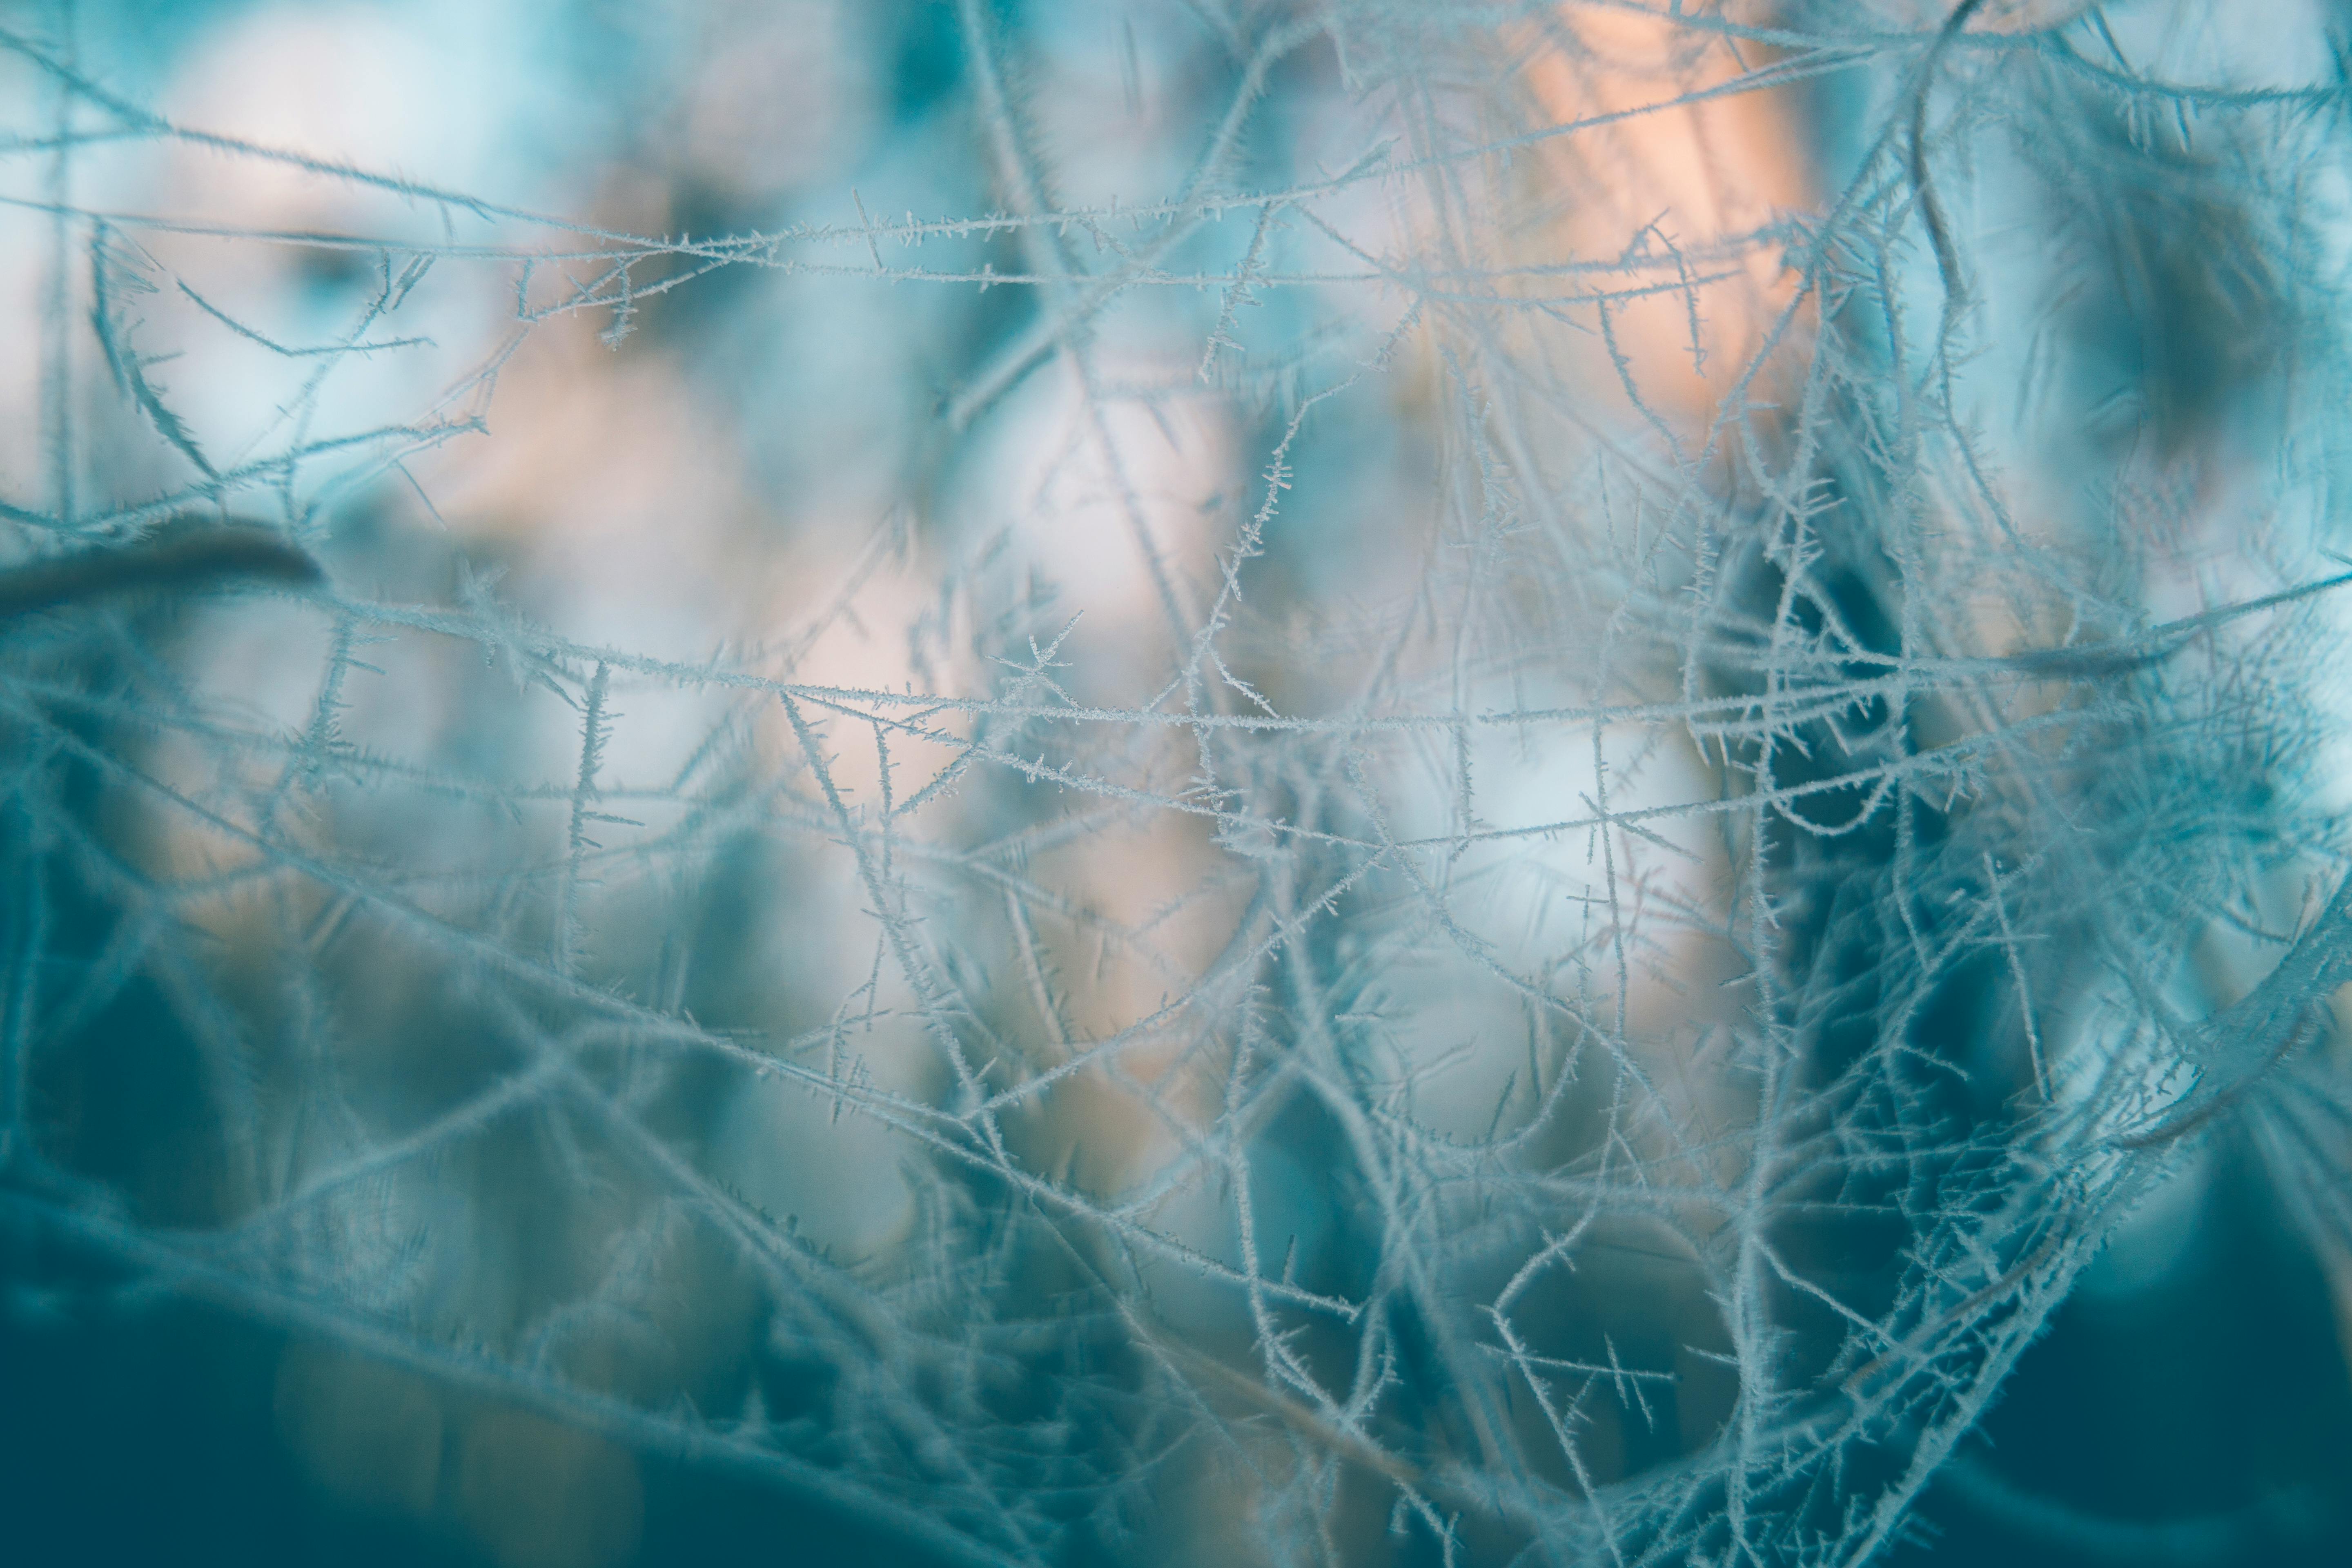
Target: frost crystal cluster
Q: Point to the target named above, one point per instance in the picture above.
(1328, 782)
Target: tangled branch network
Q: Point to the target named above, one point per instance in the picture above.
(1234, 781)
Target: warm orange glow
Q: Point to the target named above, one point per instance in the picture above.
(1700, 178)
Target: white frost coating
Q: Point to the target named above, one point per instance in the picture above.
(1378, 782)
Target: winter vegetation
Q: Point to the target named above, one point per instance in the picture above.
(1291, 781)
